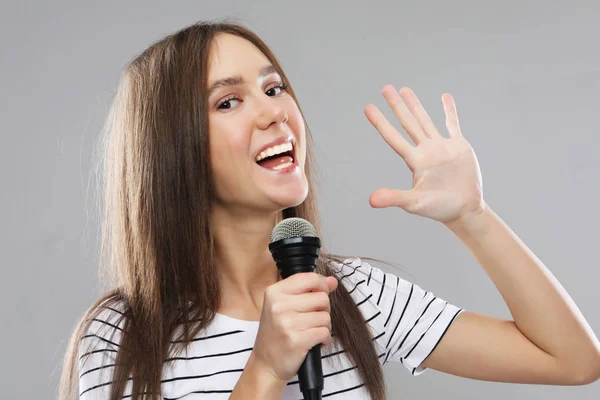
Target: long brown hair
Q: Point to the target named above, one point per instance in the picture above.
(157, 239)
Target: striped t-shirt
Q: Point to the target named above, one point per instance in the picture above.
(406, 323)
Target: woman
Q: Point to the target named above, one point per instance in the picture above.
(206, 150)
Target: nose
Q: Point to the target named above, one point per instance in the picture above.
(270, 111)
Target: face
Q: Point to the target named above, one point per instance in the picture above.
(256, 132)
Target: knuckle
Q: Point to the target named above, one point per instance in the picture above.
(285, 321)
(327, 318)
(288, 340)
(269, 291)
(320, 276)
(277, 308)
(315, 278)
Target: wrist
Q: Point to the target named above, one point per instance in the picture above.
(472, 222)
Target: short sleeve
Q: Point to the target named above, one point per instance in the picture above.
(97, 353)
(410, 321)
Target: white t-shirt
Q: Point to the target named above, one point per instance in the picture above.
(406, 323)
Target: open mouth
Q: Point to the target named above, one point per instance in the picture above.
(277, 157)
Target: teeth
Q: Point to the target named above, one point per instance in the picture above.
(271, 151)
(282, 166)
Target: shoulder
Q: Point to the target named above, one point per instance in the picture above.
(357, 275)
(100, 333)
(103, 326)
(349, 270)
(368, 286)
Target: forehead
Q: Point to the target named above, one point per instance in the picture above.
(232, 55)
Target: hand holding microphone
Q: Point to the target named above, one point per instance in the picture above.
(295, 318)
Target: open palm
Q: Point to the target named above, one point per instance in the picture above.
(446, 176)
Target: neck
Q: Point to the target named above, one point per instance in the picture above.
(246, 267)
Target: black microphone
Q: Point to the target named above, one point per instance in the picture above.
(295, 248)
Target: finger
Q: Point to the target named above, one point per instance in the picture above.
(415, 107)
(311, 337)
(391, 136)
(405, 199)
(309, 320)
(407, 120)
(451, 115)
(332, 282)
(304, 282)
(314, 301)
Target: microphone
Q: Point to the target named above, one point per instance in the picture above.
(295, 248)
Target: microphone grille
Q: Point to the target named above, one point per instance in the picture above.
(292, 227)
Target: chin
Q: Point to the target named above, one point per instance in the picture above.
(291, 197)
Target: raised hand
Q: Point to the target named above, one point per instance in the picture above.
(446, 176)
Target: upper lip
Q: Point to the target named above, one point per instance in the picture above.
(278, 141)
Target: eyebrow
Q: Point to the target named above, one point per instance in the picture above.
(238, 80)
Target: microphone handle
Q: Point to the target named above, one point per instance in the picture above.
(310, 374)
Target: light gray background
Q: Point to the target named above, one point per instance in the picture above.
(525, 76)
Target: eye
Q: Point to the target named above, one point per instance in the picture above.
(226, 104)
(276, 89)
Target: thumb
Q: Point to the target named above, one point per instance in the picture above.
(332, 283)
(382, 198)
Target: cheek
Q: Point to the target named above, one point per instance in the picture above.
(229, 144)
(295, 117)
(296, 123)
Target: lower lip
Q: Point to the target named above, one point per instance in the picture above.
(288, 170)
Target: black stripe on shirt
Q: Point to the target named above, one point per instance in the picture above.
(343, 351)
(365, 299)
(353, 270)
(99, 386)
(97, 351)
(96, 369)
(393, 302)
(418, 341)
(108, 323)
(350, 274)
(99, 337)
(412, 286)
(130, 395)
(415, 324)
(335, 353)
(382, 288)
(327, 375)
(355, 286)
(182, 378)
(441, 336)
(209, 355)
(373, 317)
(198, 392)
(117, 311)
(350, 265)
(211, 336)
